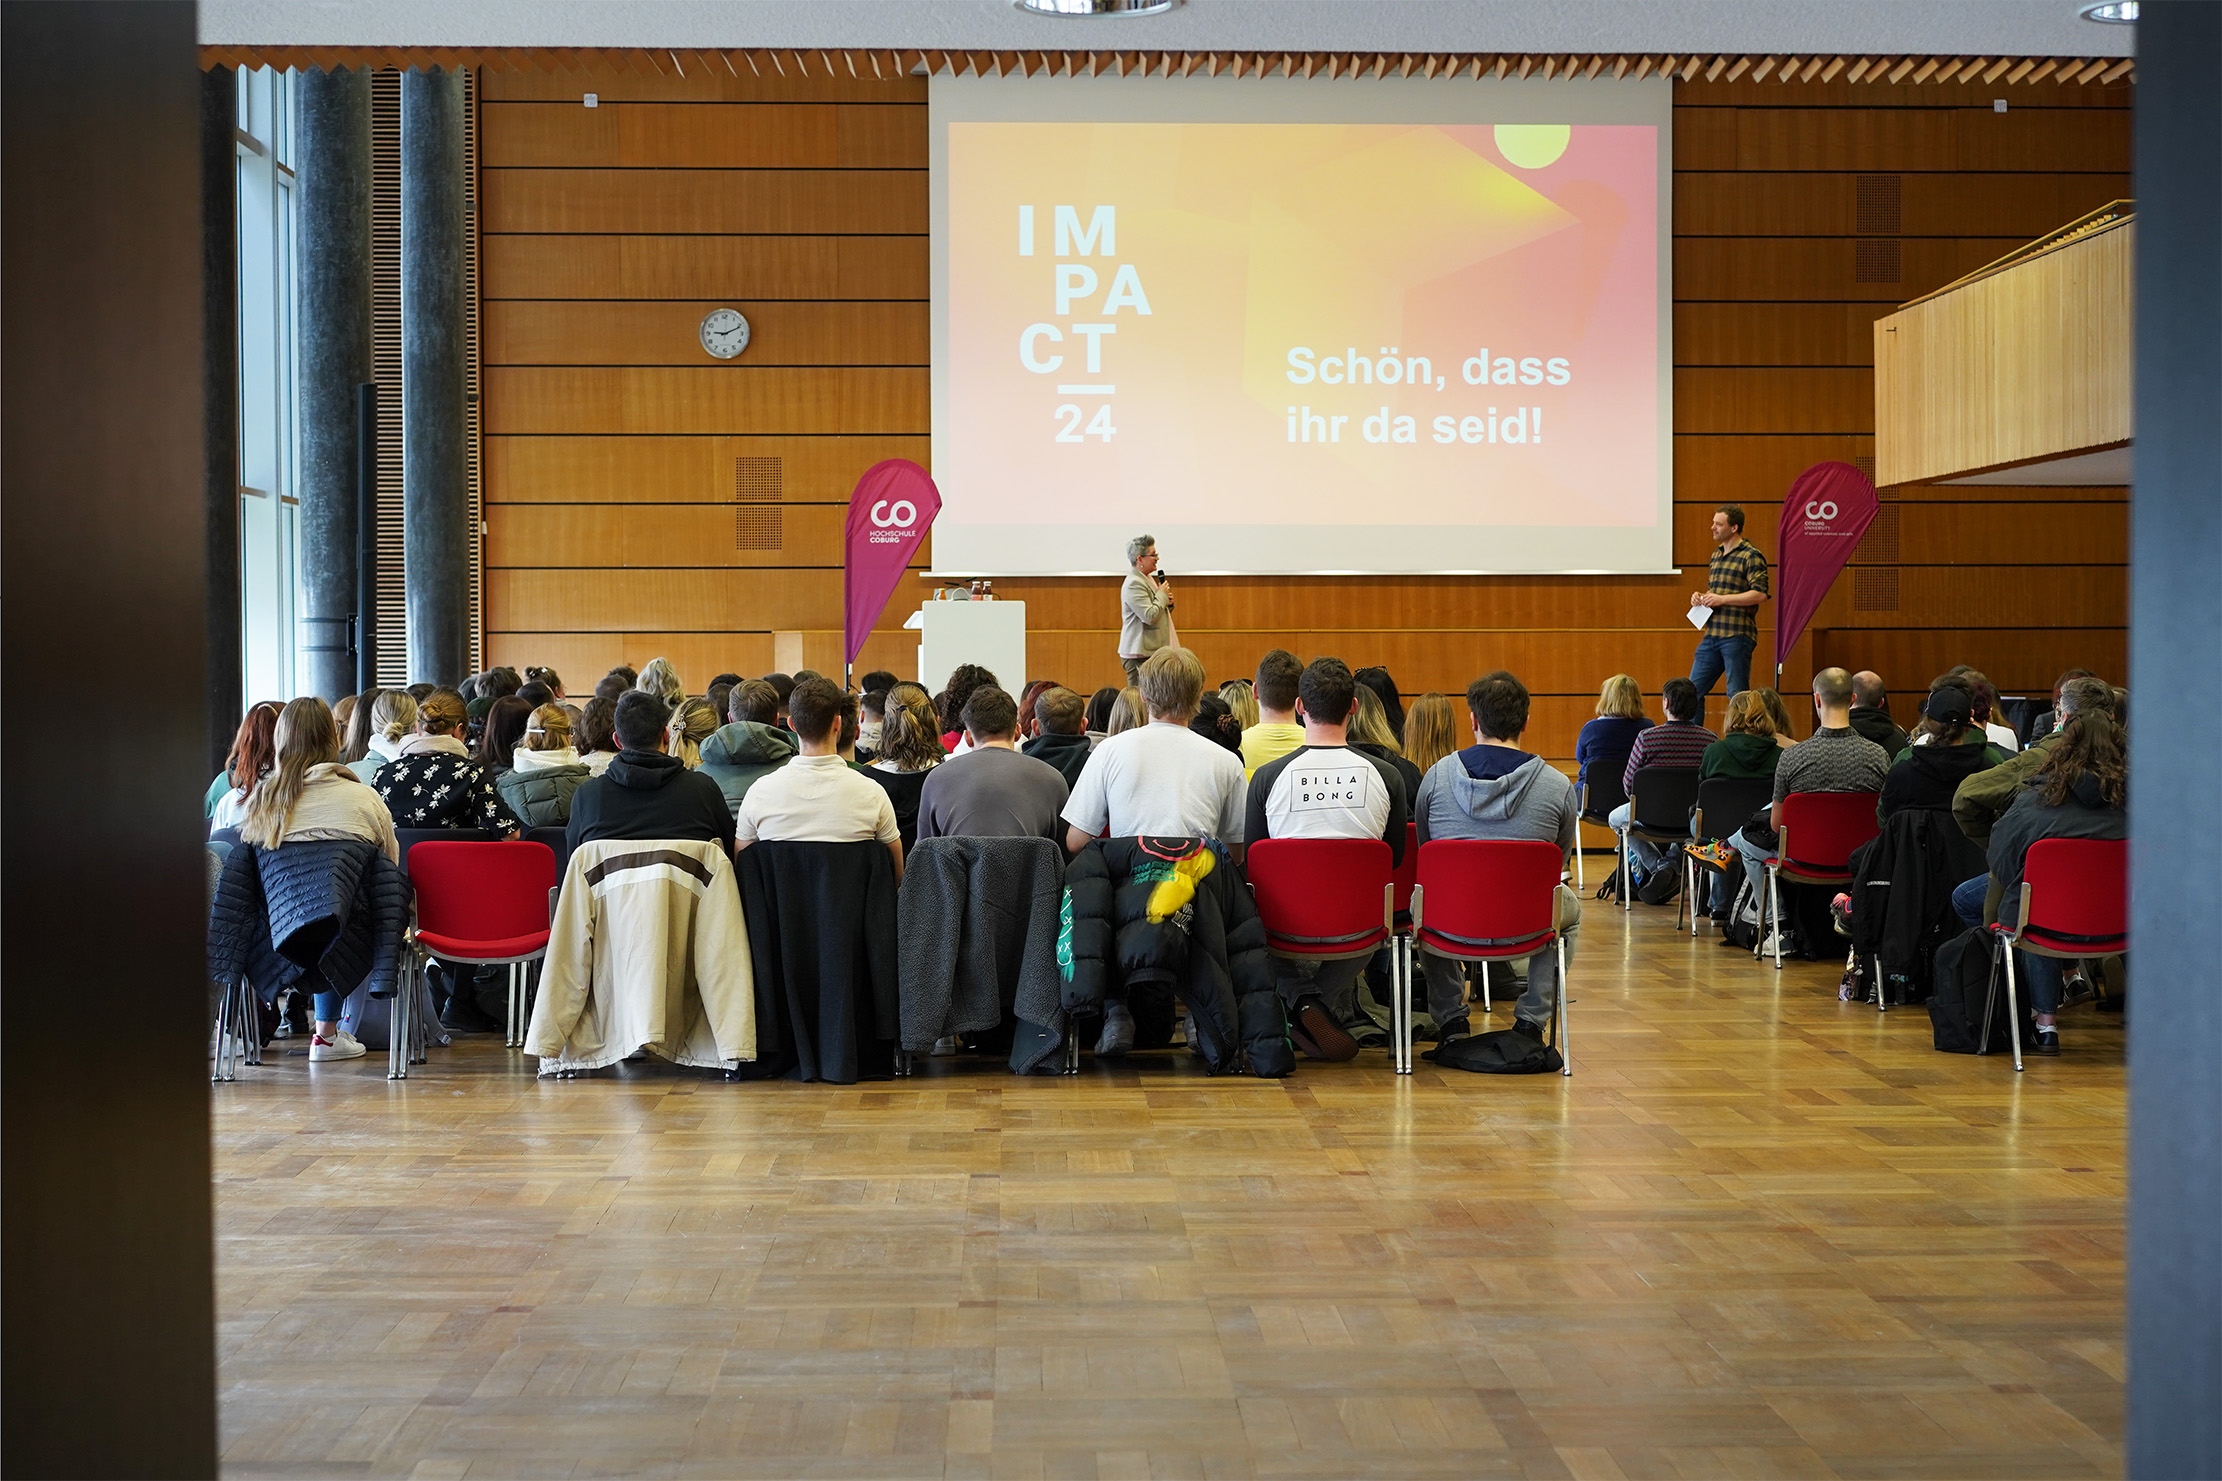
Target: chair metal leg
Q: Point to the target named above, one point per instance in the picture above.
(1627, 873)
(1579, 882)
(398, 1045)
(249, 1012)
(1687, 901)
(1880, 1005)
(1072, 1046)
(1486, 1005)
(219, 1068)
(1400, 1008)
(2013, 1010)
(1558, 1009)
(1774, 910)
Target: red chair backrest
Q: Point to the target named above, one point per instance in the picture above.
(1824, 827)
(1322, 888)
(1407, 873)
(1489, 889)
(482, 891)
(2077, 886)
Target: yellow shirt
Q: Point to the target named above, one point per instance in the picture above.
(1266, 742)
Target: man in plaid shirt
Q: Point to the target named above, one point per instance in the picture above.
(1735, 585)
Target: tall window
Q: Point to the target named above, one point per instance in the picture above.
(269, 504)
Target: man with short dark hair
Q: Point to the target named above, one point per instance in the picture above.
(1735, 585)
(816, 797)
(645, 793)
(1495, 789)
(612, 688)
(878, 681)
(992, 791)
(1276, 733)
(1678, 740)
(1835, 758)
(1871, 713)
(742, 753)
(783, 686)
(1061, 738)
(1326, 789)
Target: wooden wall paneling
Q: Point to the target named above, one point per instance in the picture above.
(667, 469)
(1773, 399)
(704, 399)
(2017, 660)
(657, 332)
(1991, 596)
(581, 658)
(1823, 268)
(2020, 140)
(1942, 532)
(694, 267)
(643, 202)
(657, 536)
(1749, 334)
(1755, 467)
(1764, 203)
(1839, 93)
(823, 136)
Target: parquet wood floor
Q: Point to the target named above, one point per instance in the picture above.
(1758, 1233)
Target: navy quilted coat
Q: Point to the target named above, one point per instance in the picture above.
(320, 915)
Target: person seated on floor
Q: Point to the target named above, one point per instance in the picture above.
(310, 795)
(434, 783)
(1602, 747)
(1678, 740)
(1158, 780)
(1945, 751)
(910, 747)
(1326, 788)
(645, 793)
(1060, 733)
(254, 750)
(740, 754)
(1983, 798)
(816, 797)
(2079, 790)
(545, 772)
(993, 790)
(1276, 733)
(1871, 713)
(1495, 789)
(1835, 758)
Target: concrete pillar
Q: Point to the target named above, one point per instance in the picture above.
(220, 384)
(436, 529)
(2175, 1018)
(331, 253)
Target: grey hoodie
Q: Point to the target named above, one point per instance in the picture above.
(736, 755)
(1533, 800)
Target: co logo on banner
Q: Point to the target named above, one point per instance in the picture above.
(906, 513)
(1821, 509)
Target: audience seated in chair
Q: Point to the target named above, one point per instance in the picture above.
(1495, 789)
(253, 752)
(1431, 732)
(645, 793)
(1100, 706)
(1216, 723)
(1371, 734)
(1946, 749)
(816, 797)
(310, 795)
(1276, 733)
(1060, 736)
(1678, 740)
(660, 679)
(693, 721)
(1750, 746)
(2045, 722)
(1326, 788)
(910, 747)
(1986, 707)
(434, 783)
(1871, 713)
(393, 716)
(1983, 798)
(546, 771)
(992, 791)
(1601, 749)
(1835, 758)
(751, 747)
(1158, 780)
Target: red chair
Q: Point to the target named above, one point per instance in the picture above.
(1327, 899)
(485, 905)
(2083, 884)
(1827, 826)
(1491, 900)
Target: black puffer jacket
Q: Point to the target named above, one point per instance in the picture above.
(333, 912)
(1154, 917)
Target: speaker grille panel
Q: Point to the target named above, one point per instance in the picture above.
(1874, 588)
(1875, 205)
(759, 521)
(1875, 262)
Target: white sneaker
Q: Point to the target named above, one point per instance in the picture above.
(321, 1048)
(350, 1040)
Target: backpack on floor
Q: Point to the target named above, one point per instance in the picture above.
(1741, 929)
(1504, 1051)
(1610, 889)
(1961, 983)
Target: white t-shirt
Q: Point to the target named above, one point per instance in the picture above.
(1162, 780)
(815, 799)
(1323, 792)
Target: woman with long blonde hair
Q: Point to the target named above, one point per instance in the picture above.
(1430, 730)
(1242, 698)
(433, 782)
(662, 680)
(693, 721)
(310, 795)
(1601, 750)
(1371, 734)
(393, 717)
(546, 772)
(1128, 713)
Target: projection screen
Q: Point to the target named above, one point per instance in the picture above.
(1301, 325)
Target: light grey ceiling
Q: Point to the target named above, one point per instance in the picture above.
(1942, 27)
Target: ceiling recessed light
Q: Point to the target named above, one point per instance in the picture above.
(1089, 9)
(2111, 13)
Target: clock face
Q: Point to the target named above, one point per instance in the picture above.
(724, 333)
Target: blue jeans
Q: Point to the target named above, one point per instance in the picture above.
(327, 1006)
(1649, 857)
(1716, 656)
(1967, 900)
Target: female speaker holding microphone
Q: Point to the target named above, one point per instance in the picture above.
(1145, 607)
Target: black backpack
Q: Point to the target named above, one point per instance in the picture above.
(1504, 1051)
(1965, 967)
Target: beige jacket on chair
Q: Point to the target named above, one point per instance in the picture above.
(649, 950)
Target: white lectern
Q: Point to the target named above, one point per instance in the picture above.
(990, 634)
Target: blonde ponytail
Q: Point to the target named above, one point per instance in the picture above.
(306, 737)
(394, 715)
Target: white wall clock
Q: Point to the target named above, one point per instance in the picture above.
(724, 333)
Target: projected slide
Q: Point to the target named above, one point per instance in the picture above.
(1300, 346)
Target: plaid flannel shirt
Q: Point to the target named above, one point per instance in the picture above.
(1739, 570)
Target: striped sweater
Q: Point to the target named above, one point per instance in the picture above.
(1669, 743)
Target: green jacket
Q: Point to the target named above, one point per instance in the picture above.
(1984, 797)
(736, 755)
(1741, 756)
(542, 795)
